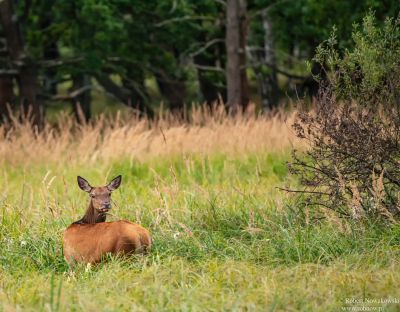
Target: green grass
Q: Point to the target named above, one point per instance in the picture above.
(225, 239)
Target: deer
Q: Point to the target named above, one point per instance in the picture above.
(90, 238)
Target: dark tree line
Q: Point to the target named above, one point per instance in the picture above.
(234, 49)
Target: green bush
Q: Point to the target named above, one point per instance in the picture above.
(352, 166)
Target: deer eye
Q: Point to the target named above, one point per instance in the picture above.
(92, 195)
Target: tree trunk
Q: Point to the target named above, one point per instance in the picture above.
(6, 95)
(243, 25)
(269, 83)
(50, 50)
(27, 77)
(28, 89)
(236, 77)
(81, 104)
(173, 89)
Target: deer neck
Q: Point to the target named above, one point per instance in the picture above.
(92, 216)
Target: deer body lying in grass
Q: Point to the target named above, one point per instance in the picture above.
(90, 238)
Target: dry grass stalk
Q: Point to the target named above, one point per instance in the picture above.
(355, 204)
(342, 182)
(398, 203)
(378, 192)
(205, 131)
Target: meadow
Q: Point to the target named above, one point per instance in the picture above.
(226, 238)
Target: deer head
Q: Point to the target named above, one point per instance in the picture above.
(100, 199)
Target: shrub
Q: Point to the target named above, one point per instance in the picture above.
(352, 165)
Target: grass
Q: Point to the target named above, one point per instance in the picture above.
(225, 238)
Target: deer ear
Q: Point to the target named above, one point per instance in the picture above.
(115, 183)
(84, 185)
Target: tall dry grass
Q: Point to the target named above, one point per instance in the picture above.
(203, 130)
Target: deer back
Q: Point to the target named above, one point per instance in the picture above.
(88, 243)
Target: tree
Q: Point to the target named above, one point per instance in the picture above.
(263, 58)
(236, 78)
(6, 94)
(26, 66)
(193, 50)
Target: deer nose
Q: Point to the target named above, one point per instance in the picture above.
(107, 206)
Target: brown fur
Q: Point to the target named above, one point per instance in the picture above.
(90, 238)
(88, 243)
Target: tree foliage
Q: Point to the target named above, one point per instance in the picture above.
(179, 45)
